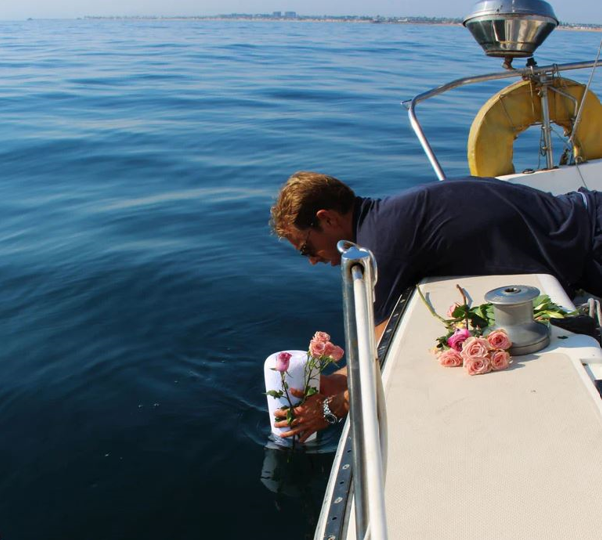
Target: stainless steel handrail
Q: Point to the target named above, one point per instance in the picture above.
(359, 276)
(334, 520)
(526, 72)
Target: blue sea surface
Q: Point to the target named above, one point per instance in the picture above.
(140, 288)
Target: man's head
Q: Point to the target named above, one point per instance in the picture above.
(313, 212)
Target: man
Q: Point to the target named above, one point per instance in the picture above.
(469, 226)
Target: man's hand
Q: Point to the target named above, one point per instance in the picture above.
(309, 417)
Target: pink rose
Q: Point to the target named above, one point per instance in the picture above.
(457, 338)
(477, 365)
(322, 337)
(328, 348)
(499, 360)
(452, 308)
(337, 353)
(317, 348)
(450, 358)
(498, 339)
(282, 361)
(475, 347)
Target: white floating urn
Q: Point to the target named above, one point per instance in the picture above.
(513, 312)
(295, 377)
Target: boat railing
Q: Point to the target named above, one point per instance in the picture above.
(529, 72)
(366, 395)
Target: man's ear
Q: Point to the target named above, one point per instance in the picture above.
(328, 218)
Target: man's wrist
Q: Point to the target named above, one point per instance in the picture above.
(329, 416)
(339, 404)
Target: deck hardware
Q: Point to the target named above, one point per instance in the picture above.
(513, 312)
(511, 28)
(546, 127)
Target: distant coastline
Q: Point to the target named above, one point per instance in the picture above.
(293, 17)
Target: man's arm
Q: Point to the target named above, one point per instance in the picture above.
(339, 404)
(379, 329)
(337, 382)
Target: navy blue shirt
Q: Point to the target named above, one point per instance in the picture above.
(472, 226)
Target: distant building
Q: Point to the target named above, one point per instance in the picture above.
(277, 14)
(290, 14)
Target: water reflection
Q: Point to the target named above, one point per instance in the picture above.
(297, 475)
(294, 470)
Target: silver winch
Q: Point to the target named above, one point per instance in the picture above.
(511, 28)
(513, 312)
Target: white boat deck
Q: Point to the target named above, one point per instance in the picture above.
(564, 179)
(507, 455)
(511, 454)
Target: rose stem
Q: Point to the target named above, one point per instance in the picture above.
(429, 307)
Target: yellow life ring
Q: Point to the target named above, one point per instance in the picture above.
(517, 107)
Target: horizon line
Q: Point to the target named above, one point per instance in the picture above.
(294, 16)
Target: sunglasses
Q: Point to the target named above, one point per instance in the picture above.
(304, 249)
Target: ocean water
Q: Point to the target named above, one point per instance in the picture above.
(140, 288)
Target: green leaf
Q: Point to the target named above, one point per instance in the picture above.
(477, 320)
(540, 300)
(546, 315)
(485, 312)
(544, 308)
(311, 391)
(442, 341)
(459, 312)
(275, 393)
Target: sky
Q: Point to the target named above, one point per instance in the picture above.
(588, 11)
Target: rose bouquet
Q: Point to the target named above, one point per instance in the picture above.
(468, 342)
(320, 354)
(478, 355)
(472, 343)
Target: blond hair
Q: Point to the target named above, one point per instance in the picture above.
(303, 195)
